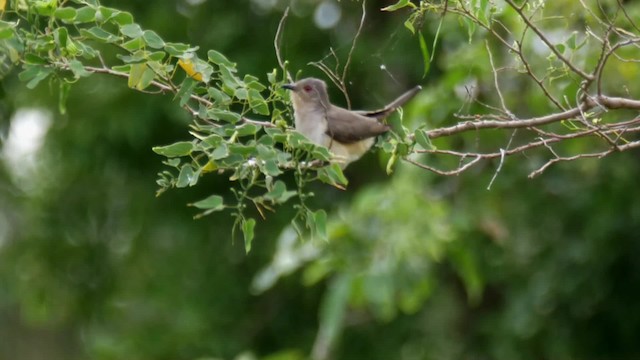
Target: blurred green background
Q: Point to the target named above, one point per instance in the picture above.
(94, 266)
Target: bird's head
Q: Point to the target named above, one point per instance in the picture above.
(309, 91)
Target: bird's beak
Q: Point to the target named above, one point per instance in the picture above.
(289, 86)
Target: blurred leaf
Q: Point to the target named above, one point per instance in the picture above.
(333, 175)
(247, 232)
(78, 69)
(333, 309)
(99, 34)
(181, 148)
(131, 30)
(426, 59)
(187, 176)
(409, 25)
(399, 5)
(178, 49)
(186, 90)
(134, 44)
(63, 95)
(140, 76)
(219, 59)
(220, 152)
(422, 139)
(33, 74)
(320, 221)
(6, 29)
(279, 193)
(213, 202)
(65, 13)
(153, 40)
(226, 115)
(122, 18)
(85, 14)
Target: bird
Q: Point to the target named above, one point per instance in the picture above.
(347, 134)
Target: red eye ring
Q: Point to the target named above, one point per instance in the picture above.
(307, 88)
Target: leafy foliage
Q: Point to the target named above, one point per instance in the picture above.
(253, 154)
(408, 266)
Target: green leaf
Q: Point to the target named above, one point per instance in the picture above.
(66, 14)
(122, 68)
(186, 176)
(84, 50)
(334, 306)
(135, 75)
(257, 103)
(422, 139)
(320, 222)
(279, 193)
(157, 55)
(228, 79)
(213, 140)
(34, 74)
(45, 7)
(247, 129)
(122, 18)
(131, 30)
(247, 231)
(181, 148)
(186, 90)
(241, 94)
(134, 44)
(178, 49)
(62, 97)
(153, 40)
(61, 35)
(6, 33)
(31, 58)
(218, 96)
(409, 25)
(572, 41)
(219, 59)
(147, 78)
(78, 69)
(253, 82)
(84, 15)
(425, 54)
(333, 175)
(270, 167)
(399, 5)
(220, 152)
(99, 34)
(213, 202)
(391, 163)
(225, 115)
(561, 48)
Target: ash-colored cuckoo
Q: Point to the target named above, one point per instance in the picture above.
(347, 134)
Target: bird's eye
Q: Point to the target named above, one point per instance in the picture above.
(307, 88)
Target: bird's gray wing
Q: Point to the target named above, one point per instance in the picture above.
(348, 127)
(392, 106)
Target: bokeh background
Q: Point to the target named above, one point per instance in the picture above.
(94, 266)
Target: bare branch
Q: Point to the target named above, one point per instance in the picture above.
(445, 172)
(604, 101)
(551, 47)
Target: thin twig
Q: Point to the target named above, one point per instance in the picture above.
(353, 43)
(277, 41)
(551, 47)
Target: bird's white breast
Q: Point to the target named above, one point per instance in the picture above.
(312, 123)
